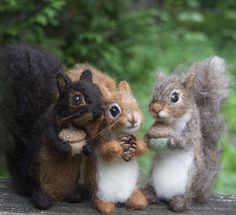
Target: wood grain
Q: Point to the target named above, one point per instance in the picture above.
(11, 203)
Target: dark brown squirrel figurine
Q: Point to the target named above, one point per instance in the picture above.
(40, 101)
(189, 103)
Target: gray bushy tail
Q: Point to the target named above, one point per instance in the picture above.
(211, 89)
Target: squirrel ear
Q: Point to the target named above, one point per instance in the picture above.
(63, 82)
(123, 85)
(160, 76)
(86, 75)
(189, 81)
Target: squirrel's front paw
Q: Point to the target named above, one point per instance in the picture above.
(64, 149)
(110, 151)
(174, 143)
(88, 149)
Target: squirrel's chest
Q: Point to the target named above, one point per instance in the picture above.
(171, 173)
(116, 180)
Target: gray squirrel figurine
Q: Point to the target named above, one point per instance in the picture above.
(186, 106)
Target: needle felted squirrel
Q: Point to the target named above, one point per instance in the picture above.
(112, 173)
(190, 104)
(44, 102)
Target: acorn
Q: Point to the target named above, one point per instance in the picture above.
(75, 137)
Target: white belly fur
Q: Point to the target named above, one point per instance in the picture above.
(116, 180)
(170, 173)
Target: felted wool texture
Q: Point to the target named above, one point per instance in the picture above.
(117, 166)
(50, 170)
(197, 124)
(137, 200)
(74, 137)
(158, 144)
(100, 78)
(158, 136)
(109, 149)
(159, 130)
(29, 78)
(36, 114)
(105, 207)
(58, 176)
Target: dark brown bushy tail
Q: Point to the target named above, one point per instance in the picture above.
(211, 89)
(27, 88)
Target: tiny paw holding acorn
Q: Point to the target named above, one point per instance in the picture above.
(175, 143)
(75, 138)
(159, 136)
(165, 143)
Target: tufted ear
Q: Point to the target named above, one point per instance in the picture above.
(86, 75)
(160, 76)
(189, 81)
(63, 82)
(123, 85)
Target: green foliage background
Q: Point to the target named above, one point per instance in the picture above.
(131, 40)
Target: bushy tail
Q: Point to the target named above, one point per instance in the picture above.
(211, 89)
(27, 89)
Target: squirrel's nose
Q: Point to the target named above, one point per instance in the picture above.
(155, 108)
(132, 119)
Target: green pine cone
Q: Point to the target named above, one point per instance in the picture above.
(158, 144)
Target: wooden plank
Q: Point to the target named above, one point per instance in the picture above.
(11, 203)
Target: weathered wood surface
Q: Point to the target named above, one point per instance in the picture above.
(11, 203)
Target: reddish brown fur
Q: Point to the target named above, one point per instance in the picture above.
(105, 207)
(141, 147)
(109, 147)
(137, 200)
(110, 150)
(99, 78)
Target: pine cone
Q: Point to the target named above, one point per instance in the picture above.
(129, 146)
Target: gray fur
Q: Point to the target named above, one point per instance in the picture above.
(211, 89)
(204, 130)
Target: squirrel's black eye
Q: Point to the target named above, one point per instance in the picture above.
(174, 97)
(76, 99)
(114, 110)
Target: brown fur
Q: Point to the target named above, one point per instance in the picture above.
(109, 141)
(105, 207)
(105, 83)
(137, 200)
(110, 148)
(58, 176)
(99, 78)
(141, 148)
(90, 176)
